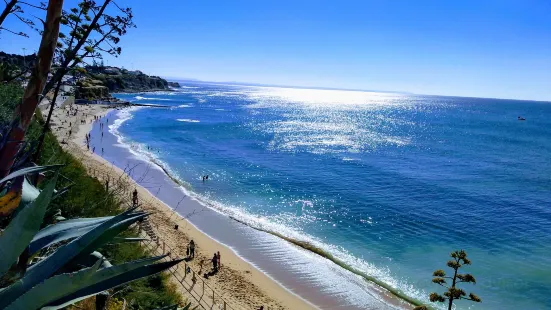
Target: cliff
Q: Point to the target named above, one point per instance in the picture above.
(91, 89)
(98, 81)
(122, 80)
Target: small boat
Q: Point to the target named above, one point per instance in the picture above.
(520, 118)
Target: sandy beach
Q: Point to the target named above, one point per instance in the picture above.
(239, 283)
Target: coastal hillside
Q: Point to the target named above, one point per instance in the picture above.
(97, 82)
(123, 80)
(17, 60)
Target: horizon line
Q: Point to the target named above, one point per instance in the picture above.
(180, 79)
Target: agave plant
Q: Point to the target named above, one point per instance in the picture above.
(74, 270)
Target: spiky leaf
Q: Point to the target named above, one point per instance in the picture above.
(65, 230)
(108, 278)
(24, 171)
(23, 227)
(47, 267)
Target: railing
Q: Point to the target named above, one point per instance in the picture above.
(202, 293)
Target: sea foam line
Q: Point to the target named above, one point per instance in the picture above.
(187, 120)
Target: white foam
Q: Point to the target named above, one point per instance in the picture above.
(151, 98)
(350, 159)
(187, 120)
(184, 106)
(121, 117)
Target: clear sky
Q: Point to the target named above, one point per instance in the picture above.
(492, 48)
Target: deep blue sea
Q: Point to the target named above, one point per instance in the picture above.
(389, 183)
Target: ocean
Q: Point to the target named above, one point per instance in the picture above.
(386, 183)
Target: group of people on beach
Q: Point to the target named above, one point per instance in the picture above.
(88, 136)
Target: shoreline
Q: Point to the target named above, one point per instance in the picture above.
(247, 287)
(392, 298)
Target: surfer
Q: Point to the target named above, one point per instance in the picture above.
(520, 118)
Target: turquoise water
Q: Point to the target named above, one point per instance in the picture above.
(388, 183)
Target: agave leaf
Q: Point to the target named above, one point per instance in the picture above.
(62, 191)
(111, 282)
(34, 301)
(30, 192)
(47, 267)
(24, 171)
(65, 230)
(111, 233)
(23, 227)
(85, 262)
(61, 290)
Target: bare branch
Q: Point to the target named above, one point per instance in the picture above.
(16, 33)
(34, 6)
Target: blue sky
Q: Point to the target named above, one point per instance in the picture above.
(466, 48)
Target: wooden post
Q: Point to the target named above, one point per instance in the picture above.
(224, 305)
(164, 245)
(213, 297)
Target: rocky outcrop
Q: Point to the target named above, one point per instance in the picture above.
(90, 89)
(174, 84)
(122, 80)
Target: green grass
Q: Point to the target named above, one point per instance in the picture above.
(88, 198)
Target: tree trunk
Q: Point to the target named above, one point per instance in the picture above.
(47, 124)
(7, 10)
(32, 96)
(453, 286)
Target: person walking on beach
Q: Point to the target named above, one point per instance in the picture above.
(192, 249)
(135, 197)
(218, 259)
(94, 149)
(215, 263)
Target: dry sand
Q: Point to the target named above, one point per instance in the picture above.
(239, 283)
